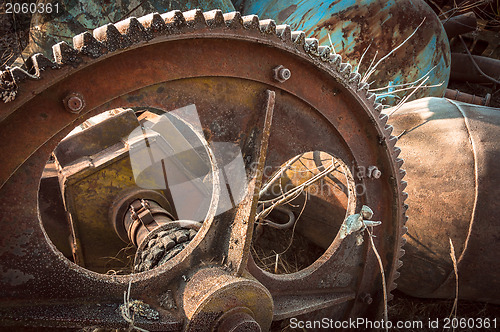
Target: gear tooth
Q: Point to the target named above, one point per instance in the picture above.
(298, 37)
(111, 38)
(363, 88)
(371, 97)
(284, 32)
(391, 142)
(233, 20)
(324, 53)
(354, 79)
(389, 129)
(383, 119)
(397, 151)
(399, 263)
(65, 54)
(311, 45)
(404, 184)
(402, 252)
(153, 23)
(404, 195)
(390, 297)
(403, 239)
(133, 30)
(399, 162)
(404, 230)
(336, 61)
(39, 62)
(405, 208)
(345, 69)
(86, 44)
(378, 107)
(251, 22)
(19, 74)
(5, 78)
(214, 18)
(173, 20)
(393, 285)
(402, 173)
(267, 26)
(194, 18)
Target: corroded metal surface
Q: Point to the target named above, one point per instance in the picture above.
(374, 26)
(209, 292)
(450, 151)
(224, 65)
(463, 69)
(75, 17)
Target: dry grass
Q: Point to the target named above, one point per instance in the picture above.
(405, 308)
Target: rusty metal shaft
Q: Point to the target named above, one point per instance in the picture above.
(142, 217)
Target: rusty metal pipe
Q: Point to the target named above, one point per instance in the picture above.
(458, 25)
(462, 68)
(468, 98)
(450, 151)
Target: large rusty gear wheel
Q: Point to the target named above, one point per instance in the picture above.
(223, 63)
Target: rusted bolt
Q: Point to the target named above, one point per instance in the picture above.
(281, 74)
(239, 321)
(374, 172)
(74, 102)
(366, 298)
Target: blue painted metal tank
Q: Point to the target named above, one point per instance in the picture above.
(374, 26)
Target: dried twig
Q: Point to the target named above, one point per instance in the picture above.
(372, 70)
(295, 225)
(455, 268)
(492, 79)
(405, 99)
(409, 85)
(384, 286)
(362, 57)
(293, 193)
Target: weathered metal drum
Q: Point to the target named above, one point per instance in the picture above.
(375, 26)
(450, 151)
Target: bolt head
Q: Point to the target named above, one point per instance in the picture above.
(366, 298)
(74, 102)
(281, 74)
(374, 172)
(285, 73)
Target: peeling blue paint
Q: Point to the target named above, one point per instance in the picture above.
(353, 24)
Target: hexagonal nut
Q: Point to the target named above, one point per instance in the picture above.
(281, 74)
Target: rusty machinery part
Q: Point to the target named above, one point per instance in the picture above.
(464, 70)
(163, 243)
(364, 31)
(205, 59)
(71, 18)
(460, 24)
(121, 215)
(456, 159)
(143, 216)
(468, 98)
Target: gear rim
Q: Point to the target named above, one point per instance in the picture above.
(318, 54)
